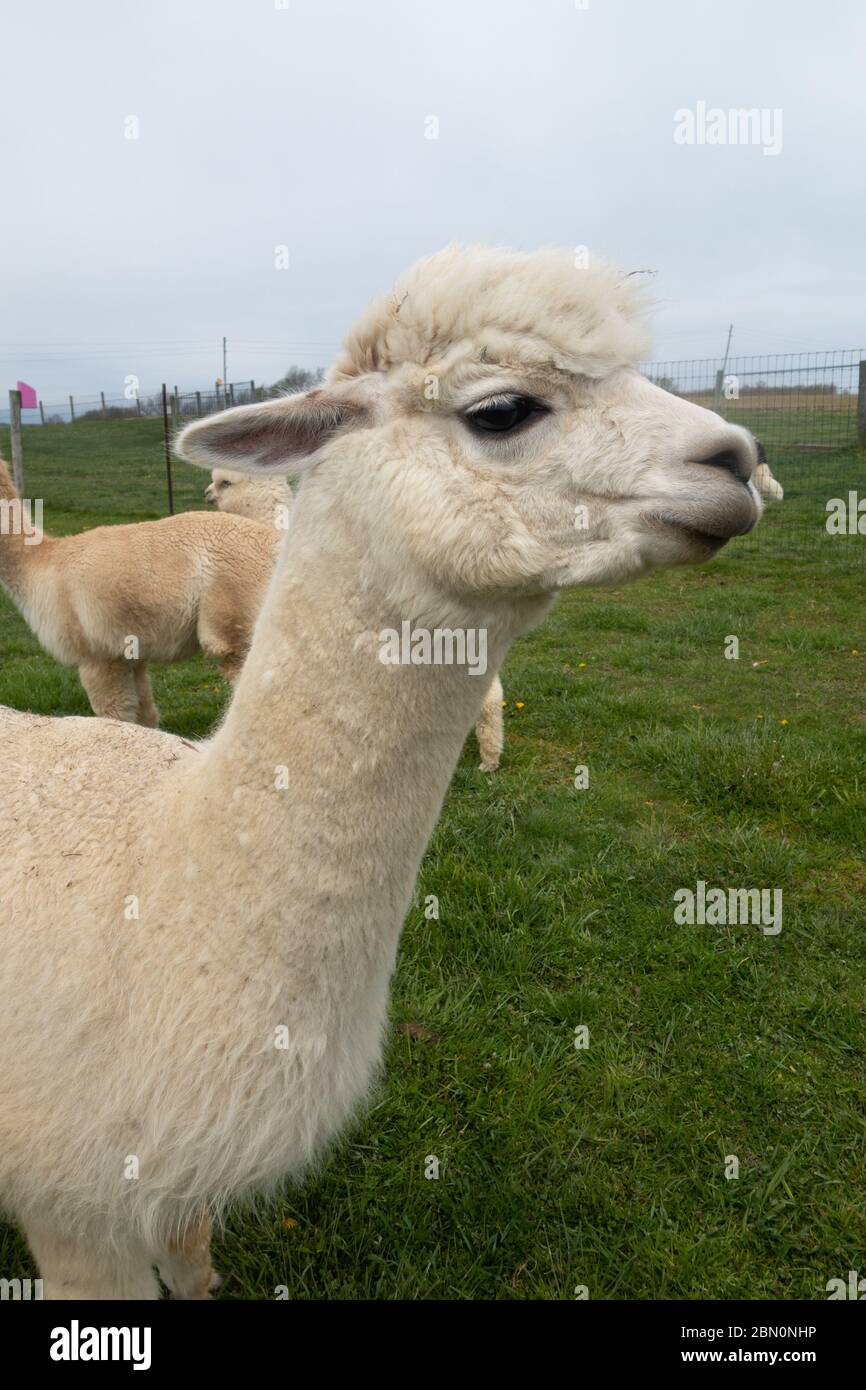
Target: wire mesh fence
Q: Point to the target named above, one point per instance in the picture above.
(809, 412)
(136, 404)
(807, 409)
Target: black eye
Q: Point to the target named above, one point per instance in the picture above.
(225, 483)
(500, 416)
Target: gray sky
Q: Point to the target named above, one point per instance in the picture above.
(306, 127)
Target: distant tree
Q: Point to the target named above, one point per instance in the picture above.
(54, 420)
(111, 412)
(666, 383)
(298, 379)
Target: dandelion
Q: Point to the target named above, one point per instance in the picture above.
(518, 704)
(759, 716)
(783, 721)
(290, 1223)
(580, 665)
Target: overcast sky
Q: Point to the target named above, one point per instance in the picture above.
(307, 127)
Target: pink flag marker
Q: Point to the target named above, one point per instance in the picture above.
(28, 395)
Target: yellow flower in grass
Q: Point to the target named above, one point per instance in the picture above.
(783, 721)
(518, 704)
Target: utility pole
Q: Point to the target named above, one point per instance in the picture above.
(720, 374)
(727, 347)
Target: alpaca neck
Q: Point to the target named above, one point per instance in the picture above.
(22, 543)
(331, 767)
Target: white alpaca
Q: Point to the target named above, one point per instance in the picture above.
(197, 940)
(113, 599)
(269, 501)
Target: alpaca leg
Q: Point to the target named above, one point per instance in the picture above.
(488, 728)
(224, 633)
(231, 666)
(185, 1266)
(148, 714)
(91, 1270)
(111, 689)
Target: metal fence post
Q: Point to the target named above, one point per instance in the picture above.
(861, 405)
(166, 440)
(42, 412)
(71, 410)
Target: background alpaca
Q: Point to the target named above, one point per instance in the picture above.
(767, 485)
(110, 600)
(266, 500)
(269, 501)
(213, 1006)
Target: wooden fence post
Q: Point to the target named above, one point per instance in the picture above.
(42, 412)
(15, 433)
(166, 440)
(102, 397)
(861, 406)
(72, 410)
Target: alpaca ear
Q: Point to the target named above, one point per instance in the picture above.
(268, 437)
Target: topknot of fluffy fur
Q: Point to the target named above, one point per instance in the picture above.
(537, 309)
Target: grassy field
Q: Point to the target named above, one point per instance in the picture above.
(605, 1166)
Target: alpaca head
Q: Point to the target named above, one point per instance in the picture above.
(265, 500)
(487, 430)
(217, 493)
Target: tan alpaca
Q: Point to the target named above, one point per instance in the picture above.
(110, 600)
(196, 941)
(766, 483)
(269, 500)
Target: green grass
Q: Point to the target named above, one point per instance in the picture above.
(602, 1167)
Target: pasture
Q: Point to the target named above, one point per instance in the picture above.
(603, 1166)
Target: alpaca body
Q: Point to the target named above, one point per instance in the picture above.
(187, 583)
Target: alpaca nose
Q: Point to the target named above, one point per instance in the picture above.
(738, 459)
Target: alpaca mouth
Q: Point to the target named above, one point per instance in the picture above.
(705, 538)
(717, 525)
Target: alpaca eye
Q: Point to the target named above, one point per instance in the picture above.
(225, 483)
(503, 414)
